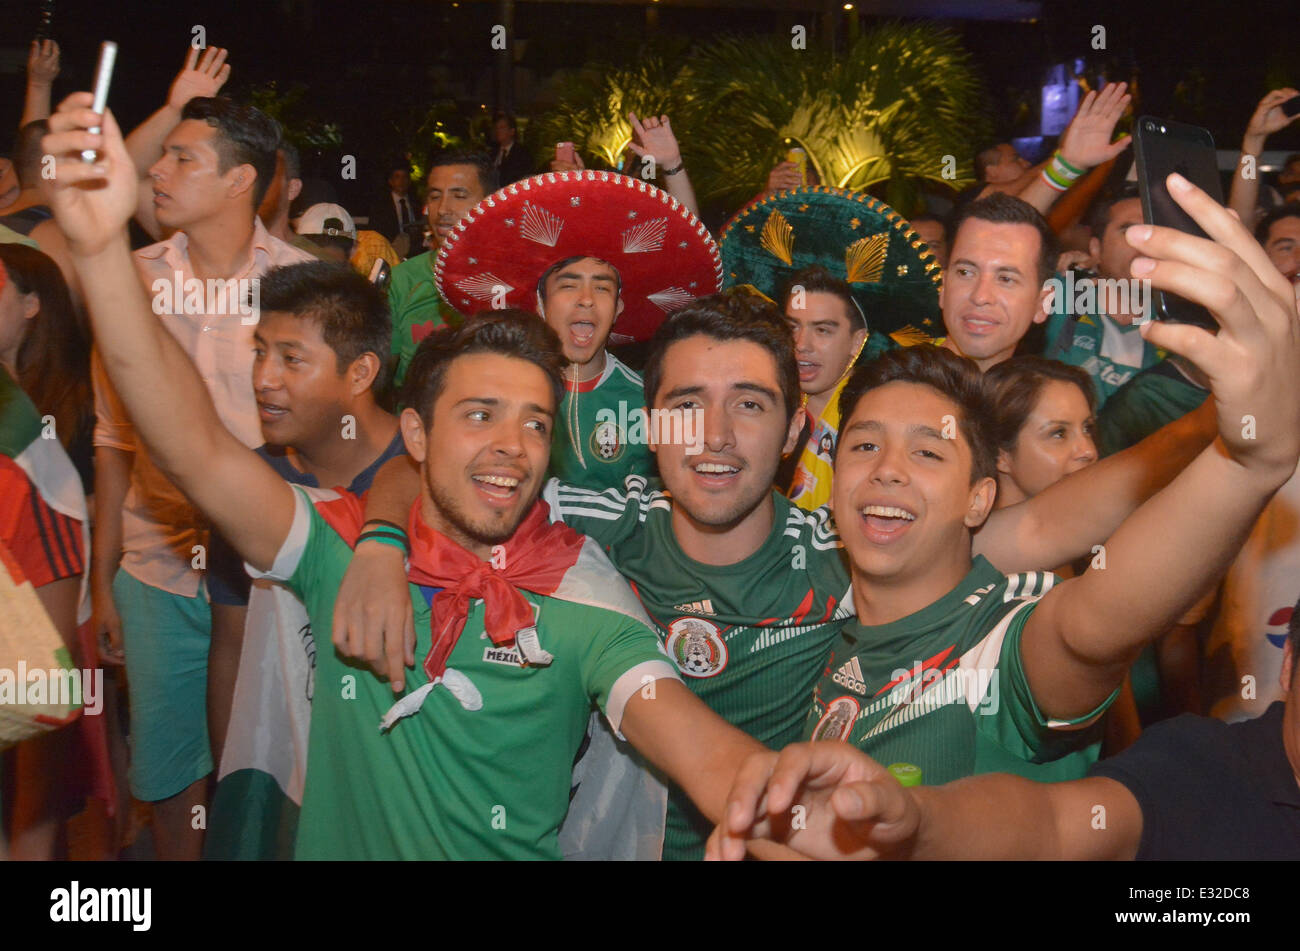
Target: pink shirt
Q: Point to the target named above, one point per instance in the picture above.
(160, 528)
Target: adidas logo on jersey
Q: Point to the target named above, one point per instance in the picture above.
(850, 676)
(696, 607)
(503, 655)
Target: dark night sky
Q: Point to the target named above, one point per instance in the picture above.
(364, 63)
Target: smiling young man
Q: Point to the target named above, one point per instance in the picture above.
(321, 349)
(457, 182)
(996, 283)
(215, 167)
(958, 669)
(486, 769)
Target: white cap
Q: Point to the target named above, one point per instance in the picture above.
(327, 218)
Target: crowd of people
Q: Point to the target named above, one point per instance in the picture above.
(837, 534)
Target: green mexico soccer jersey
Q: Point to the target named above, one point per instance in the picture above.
(600, 435)
(945, 688)
(750, 639)
(447, 783)
(417, 309)
(1147, 402)
(1107, 351)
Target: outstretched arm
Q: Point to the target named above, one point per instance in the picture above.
(850, 807)
(203, 74)
(704, 767)
(1082, 637)
(153, 376)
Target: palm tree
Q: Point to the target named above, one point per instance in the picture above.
(884, 117)
(592, 104)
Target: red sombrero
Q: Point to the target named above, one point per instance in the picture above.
(664, 255)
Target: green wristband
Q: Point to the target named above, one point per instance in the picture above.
(1066, 165)
(384, 539)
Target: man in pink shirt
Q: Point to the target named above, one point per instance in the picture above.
(215, 167)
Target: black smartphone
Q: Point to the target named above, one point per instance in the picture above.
(1163, 147)
(379, 274)
(1291, 106)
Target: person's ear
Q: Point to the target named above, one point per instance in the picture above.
(413, 434)
(618, 308)
(1094, 248)
(31, 305)
(1288, 673)
(242, 179)
(982, 495)
(1046, 297)
(792, 432)
(363, 373)
(295, 189)
(858, 340)
(1004, 462)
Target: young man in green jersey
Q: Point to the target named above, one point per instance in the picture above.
(1190, 788)
(457, 182)
(1016, 665)
(485, 771)
(1103, 335)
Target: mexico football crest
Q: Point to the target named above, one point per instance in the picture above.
(696, 647)
(607, 441)
(837, 722)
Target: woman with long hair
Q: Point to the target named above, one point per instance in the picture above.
(45, 345)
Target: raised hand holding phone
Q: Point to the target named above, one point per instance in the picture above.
(1251, 361)
(91, 202)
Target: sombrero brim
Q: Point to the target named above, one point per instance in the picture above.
(664, 255)
(892, 273)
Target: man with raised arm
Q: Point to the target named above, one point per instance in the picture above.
(149, 546)
(1077, 639)
(485, 769)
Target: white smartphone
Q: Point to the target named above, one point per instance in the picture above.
(103, 76)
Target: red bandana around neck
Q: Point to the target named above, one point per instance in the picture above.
(535, 558)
